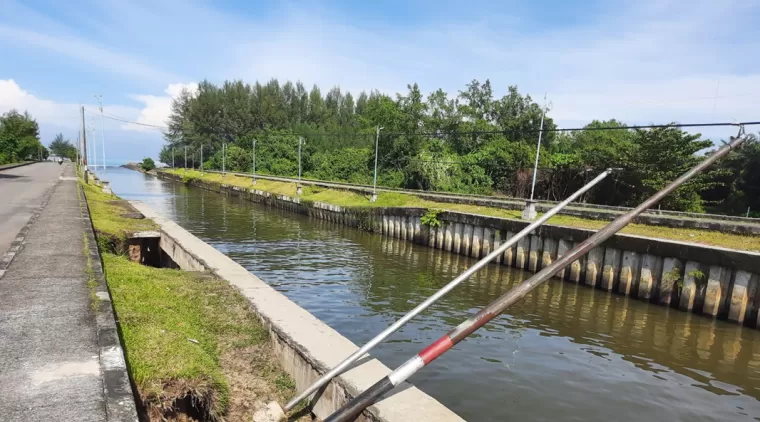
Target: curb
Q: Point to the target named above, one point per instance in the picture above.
(13, 166)
(117, 389)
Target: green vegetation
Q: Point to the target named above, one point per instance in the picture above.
(473, 142)
(63, 148)
(148, 164)
(194, 349)
(112, 220)
(395, 199)
(20, 138)
(430, 218)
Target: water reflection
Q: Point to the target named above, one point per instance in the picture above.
(565, 352)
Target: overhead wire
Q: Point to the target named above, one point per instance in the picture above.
(479, 132)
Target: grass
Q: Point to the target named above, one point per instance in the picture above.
(396, 199)
(108, 216)
(194, 348)
(187, 333)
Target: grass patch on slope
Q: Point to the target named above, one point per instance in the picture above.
(194, 348)
(192, 336)
(397, 199)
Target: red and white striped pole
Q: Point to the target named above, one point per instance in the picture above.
(352, 409)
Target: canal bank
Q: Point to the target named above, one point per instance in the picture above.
(706, 280)
(567, 349)
(214, 359)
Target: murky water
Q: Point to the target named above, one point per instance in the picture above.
(566, 352)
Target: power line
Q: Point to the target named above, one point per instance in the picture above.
(475, 133)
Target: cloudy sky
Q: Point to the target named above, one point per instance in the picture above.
(647, 61)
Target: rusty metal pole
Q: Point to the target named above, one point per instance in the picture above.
(353, 408)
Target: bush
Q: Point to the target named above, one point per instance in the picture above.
(148, 164)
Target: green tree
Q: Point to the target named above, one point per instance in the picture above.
(63, 148)
(148, 164)
(660, 156)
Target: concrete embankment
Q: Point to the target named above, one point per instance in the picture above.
(306, 347)
(663, 218)
(715, 282)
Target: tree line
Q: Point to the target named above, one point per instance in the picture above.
(470, 142)
(20, 140)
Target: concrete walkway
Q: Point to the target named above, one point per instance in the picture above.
(51, 357)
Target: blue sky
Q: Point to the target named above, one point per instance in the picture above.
(640, 62)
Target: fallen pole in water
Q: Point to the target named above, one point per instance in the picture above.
(353, 408)
(440, 293)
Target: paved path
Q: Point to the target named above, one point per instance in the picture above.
(21, 192)
(50, 356)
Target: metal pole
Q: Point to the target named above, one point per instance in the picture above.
(442, 292)
(201, 159)
(173, 158)
(223, 152)
(538, 150)
(185, 158)
(354, 407)
(299, 159)
(99, 97)
(374, 183)
(84, 139)
(254, 161)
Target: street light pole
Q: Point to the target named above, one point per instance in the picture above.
(374, 183)
(538, 150)
(529, 213)
(299, 190)
(254, 161)
(99, 97)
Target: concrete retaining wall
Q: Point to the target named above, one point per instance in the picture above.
(717, 222)
(305, 346)
(712, 281)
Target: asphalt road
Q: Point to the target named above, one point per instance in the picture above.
(22, 190)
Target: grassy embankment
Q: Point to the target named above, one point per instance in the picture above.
(195, 351)
(393, 199)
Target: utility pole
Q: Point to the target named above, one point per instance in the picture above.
(254, 161)
(299, 190)
(84, 142)
(529, 213)
(374, 183)
(99, 97)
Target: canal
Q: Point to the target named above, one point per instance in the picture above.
(566, 352)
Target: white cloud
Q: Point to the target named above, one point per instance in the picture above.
(157, 108)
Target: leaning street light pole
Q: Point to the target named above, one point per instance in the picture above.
(538, 150)
(440, 293)
(529, 212)
(374, 183)
(354, 407)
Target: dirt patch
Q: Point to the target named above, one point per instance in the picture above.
(181, 401)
